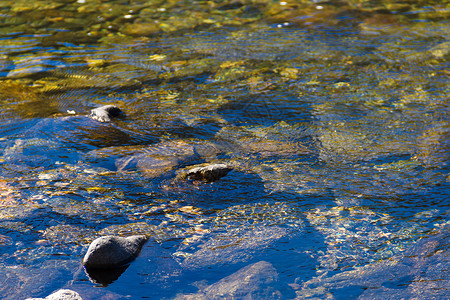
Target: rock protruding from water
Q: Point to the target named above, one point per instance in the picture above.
(256, 281)
(108, 252)
(63, 294)
(105, 113)
(208, 172)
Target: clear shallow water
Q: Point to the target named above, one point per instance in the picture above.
(338, 136)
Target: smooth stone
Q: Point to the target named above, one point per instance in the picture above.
(209, 173)
(109, 252)
(62, 294)
(105, 113)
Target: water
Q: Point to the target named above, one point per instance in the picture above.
(335, 125)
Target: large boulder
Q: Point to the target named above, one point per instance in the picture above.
(108, 252)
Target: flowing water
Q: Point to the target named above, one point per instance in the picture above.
(334, 116)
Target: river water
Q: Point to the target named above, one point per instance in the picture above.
(333, 115)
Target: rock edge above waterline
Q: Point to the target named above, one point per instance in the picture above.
(105, 113)
(109, 252)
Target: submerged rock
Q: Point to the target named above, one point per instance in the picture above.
(163, 157)
(421, 272)
(62, 294)
(433, 144)
(105, 113)
(52, 141)
(233, 246)
(280, 139)
(112, 252)
(21, 282)
(255, 281)
(240, 233)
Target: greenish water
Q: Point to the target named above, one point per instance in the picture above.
(333, 115)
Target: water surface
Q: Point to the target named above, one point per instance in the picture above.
(333, 116)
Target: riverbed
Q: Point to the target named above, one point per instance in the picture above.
(333, 117)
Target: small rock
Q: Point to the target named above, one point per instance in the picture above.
(109, 251)
(63, 294)
(208, 173)
(105, 113)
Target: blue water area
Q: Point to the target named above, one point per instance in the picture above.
(337, 135)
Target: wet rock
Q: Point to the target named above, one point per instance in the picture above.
(105, 113)
(256, 281)
(111, 252)
(62, 294)
(207, 172)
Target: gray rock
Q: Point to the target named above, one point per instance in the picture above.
(112, 252)
(256, 281)
(105, 113)
(208, 172)
(62, 294)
